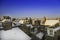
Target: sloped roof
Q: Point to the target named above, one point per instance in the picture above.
(40, 35)
(21, 21)
(14, 34)
(6, 20)
(51, 22)
(56, 29)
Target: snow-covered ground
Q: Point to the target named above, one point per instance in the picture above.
(13, 34)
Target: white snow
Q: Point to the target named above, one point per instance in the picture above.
(40, 35)
(56, 29)
(17, 23)
(21, 21)
(6, 20)
(13, 34)
(29, 25)
(13, 24)
(51, 22)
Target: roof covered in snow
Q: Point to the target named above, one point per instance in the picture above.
(40, 35)
(51, 22)
(6, 20)
(56, 29)
(14, 34)
(21, 21)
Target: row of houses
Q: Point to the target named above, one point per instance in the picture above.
(51, 27)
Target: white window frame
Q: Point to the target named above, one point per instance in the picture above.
(49, 33)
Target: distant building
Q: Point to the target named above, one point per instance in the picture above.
(36, 22)
(6, 17)
(6, 24)
(28, 20)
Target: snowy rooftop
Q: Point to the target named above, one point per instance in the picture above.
(51, 22)
(56, 29)
(40, 35)
(6, 20)
(21, 21)
(13, 34)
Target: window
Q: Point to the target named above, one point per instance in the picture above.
(50, 32)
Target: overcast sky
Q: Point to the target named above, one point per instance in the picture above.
(30, 8)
